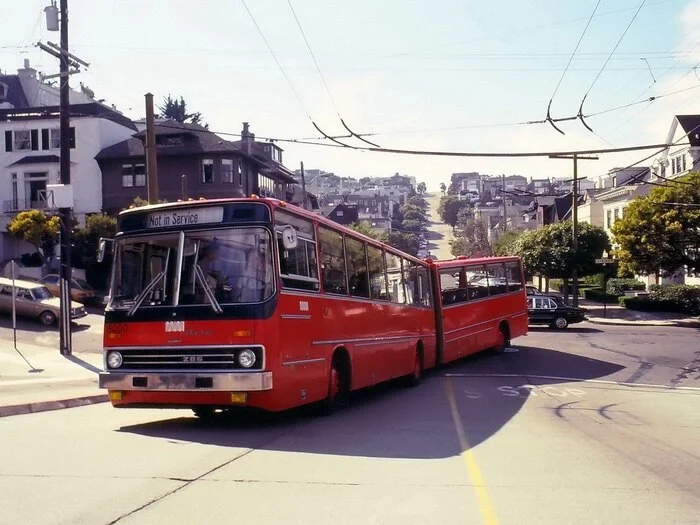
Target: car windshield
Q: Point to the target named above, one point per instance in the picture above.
(82, 284)
(41, 293)
(225, 266)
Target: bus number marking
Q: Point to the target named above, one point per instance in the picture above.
(174, 326)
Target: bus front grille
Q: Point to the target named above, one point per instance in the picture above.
(184, 359)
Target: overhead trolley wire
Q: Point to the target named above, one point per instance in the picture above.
(325, 84)
(549, 106)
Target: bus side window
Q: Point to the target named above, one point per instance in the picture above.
(356, 259)
(514, 276)
(332, 261)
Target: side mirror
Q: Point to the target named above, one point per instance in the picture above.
(102, 248)
(289, 238)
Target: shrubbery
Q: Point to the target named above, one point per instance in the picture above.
(620, 286)
(596, 294)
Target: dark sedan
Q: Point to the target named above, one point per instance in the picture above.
(546, 310)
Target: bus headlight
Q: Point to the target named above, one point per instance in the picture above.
(246, 358)
(114, 360)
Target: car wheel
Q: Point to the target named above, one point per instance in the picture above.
(560, 323)
(47, 318)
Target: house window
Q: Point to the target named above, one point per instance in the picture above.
(682, 162)
(207, 171)
(227, 171)
(239, 174)
(133, 175)
(55, 138)
(608, 219)
(127, 176)
(23, 140)
(35, 189)
(139, 174)
(617, 214)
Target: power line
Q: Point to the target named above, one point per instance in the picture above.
(573, 54)
(615, 48)
(325, 84)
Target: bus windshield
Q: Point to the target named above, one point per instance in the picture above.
(212, 268)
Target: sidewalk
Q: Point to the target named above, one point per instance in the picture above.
(37, 378)
(614, 314)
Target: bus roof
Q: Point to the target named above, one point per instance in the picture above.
(467, 261)
(273, 203)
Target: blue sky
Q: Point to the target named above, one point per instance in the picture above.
(442, 75)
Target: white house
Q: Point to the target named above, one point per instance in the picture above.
(29, 148)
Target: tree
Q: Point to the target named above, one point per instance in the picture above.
(411, 226)
(443, 188)
(86, 241)
(406, 242)
(656, 235)
(504, 244)
(365, 228)
(37, 228)
(549, 251)
(420, 202)
(421, 188)
(449, 209)
(471, 239)
(177, 110)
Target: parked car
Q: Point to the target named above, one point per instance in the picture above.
(533, 290)
(34, 300)
(80, 290)
(542, 309)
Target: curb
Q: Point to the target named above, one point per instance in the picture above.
(691, 323)
(43, 406)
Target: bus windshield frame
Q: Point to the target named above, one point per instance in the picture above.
(195, 267)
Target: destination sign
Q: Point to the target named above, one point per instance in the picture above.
(189, 217)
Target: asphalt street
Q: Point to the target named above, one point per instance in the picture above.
(589, 425)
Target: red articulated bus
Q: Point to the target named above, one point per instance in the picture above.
(255, 302)
(481, 304)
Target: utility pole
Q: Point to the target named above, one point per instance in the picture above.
(574, 219)
(303, 186)
(151, 158)
(505, 209)
(65, 213)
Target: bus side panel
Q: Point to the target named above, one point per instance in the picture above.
(301, 362)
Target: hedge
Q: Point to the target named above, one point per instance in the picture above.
(644, 304)
(596, 294)
(679, 297)
(620, 286)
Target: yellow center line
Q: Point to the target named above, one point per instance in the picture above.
(488, 514)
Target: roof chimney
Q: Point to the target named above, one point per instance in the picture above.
(246, 139)
(27, 71)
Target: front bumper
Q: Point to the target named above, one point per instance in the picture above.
(190, 381)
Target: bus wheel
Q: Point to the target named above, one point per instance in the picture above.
(204, 413)
(502, 341)
(338, 387)
(417, 374)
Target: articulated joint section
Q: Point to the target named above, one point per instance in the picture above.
(195, 382)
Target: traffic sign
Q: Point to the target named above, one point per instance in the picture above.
(605, 261)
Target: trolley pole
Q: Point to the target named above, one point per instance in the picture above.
(574, 220)
(151, 157)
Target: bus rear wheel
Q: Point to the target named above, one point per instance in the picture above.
(502, 341)
(338, 386)
(414, 379)
(204, 413)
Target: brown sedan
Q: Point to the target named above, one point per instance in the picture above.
(34, 300)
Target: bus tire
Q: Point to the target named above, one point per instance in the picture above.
(204, 413)
(414, 379)
(503, 339)
(338, 384)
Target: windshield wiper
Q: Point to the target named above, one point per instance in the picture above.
(207, 289)
(140, 297)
